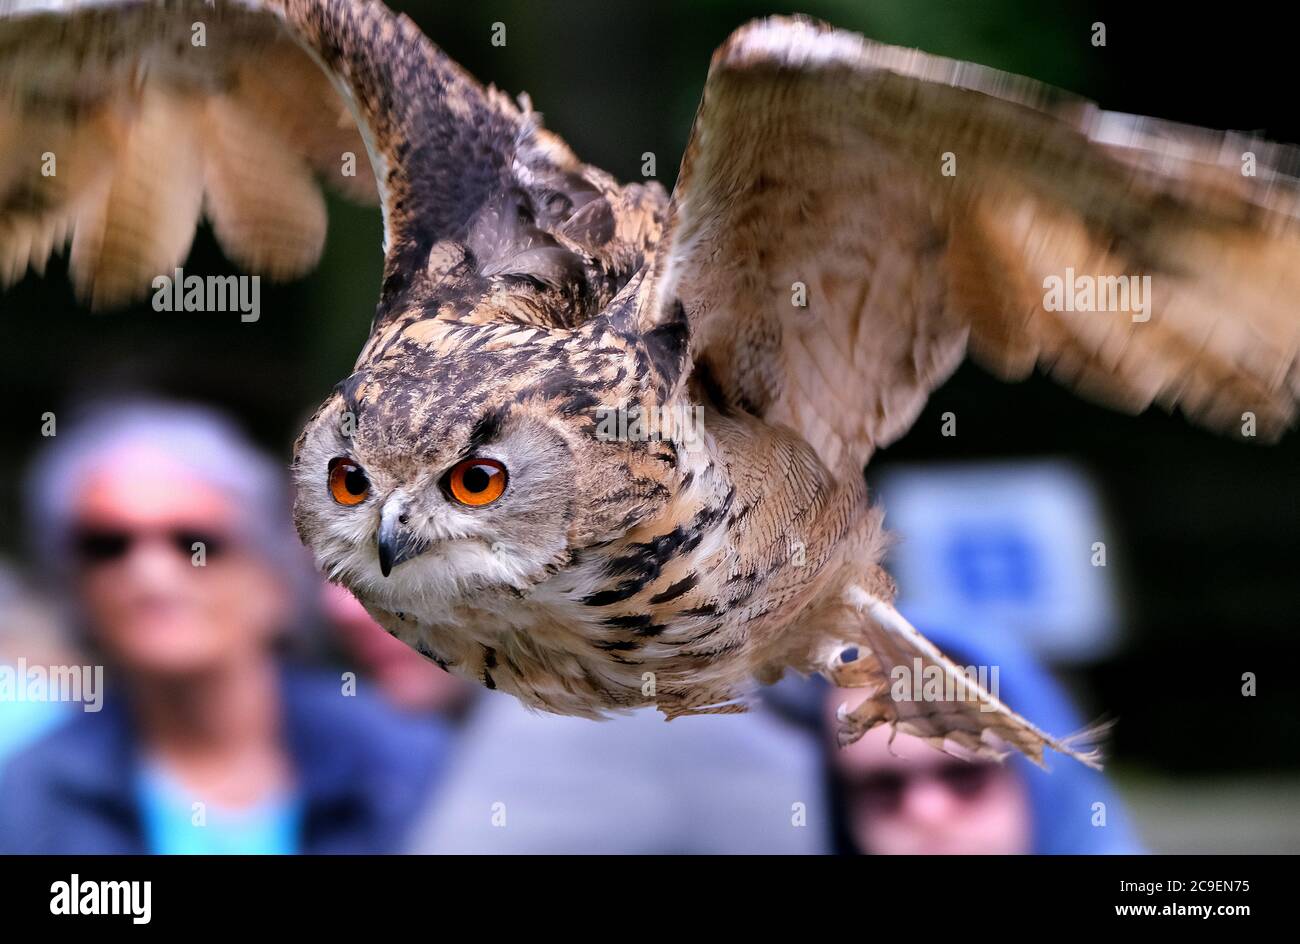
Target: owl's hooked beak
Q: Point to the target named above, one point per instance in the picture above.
(396, 542)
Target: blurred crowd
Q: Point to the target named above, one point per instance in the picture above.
(175, 678)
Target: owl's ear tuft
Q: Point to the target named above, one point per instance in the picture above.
(668, 346)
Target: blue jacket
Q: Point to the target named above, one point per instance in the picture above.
(363, 772)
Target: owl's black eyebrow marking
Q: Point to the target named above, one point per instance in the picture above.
(486, 430)
(348, 389)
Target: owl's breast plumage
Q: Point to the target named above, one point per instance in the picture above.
(681, 612)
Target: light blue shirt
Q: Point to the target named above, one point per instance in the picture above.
(175, 823)
(24, 722)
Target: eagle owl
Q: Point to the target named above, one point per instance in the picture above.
(604, 446)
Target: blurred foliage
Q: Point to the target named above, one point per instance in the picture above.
(1209, 530)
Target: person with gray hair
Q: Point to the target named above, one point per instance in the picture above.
(203, 443)
(172, 532)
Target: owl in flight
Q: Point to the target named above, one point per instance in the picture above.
(604, 447)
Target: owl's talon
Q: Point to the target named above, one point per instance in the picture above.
(853, 723)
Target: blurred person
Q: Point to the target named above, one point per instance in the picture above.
(406, 678)
(532, 783)
(170, 534)
(900, 796)
(906, 798)
(31, 638)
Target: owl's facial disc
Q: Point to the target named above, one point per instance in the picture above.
(417, 523)
(475, 482)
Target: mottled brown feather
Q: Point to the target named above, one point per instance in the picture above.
(816, 158)
(93, 83)
(265, 208)
(488, 216)
(141, 221)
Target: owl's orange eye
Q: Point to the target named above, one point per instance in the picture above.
(347, 482)
(477, 482)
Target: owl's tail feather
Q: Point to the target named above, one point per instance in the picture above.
(918, 690)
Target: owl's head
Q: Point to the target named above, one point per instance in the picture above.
(443, 470)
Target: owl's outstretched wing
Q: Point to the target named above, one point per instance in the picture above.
(122, 121)
(851, 218)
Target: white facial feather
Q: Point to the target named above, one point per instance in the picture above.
(508, 544)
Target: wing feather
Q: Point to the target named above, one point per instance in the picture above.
(487, 216)
(261, 198)
(121, 125)
(924, 206)
(139, 221)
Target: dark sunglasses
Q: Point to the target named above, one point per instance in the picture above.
(967, 781)
(106, 545)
